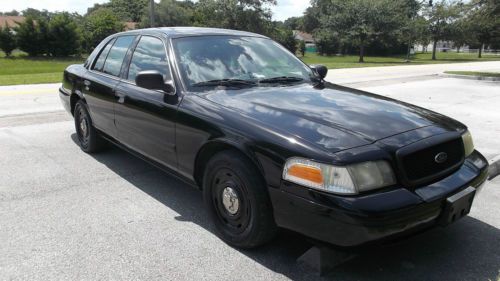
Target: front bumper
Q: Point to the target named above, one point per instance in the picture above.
(350, 221)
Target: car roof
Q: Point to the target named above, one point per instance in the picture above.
(184, 31)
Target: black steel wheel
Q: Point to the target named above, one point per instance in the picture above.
(237, 200)
(88, 137)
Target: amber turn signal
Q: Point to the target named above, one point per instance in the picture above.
(306, 172)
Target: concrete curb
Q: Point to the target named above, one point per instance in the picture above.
(471, 77)
(324, 259)
(494, 169)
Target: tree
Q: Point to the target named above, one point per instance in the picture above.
(327, 42)
(55, 34)
(7, 40)
(37, 14)
(29, 37)
(412, 24)
(422, 31)
(310, 20)
(415, 30)
(441, 17)
(125, 10)
(11, 13)
(294, 23)
(248, 15)
(129, 10)
(360, 22)
(96, 7)
(302, 47)
(99, 25)
(42, 26)
(171, 13)
(461, 32)
(285, 37)
(64, 36)
(484, 22)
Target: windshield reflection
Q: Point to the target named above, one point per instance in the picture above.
(210, 58)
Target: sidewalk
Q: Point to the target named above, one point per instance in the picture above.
(357, 75)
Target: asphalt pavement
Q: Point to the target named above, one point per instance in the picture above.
(67, 215)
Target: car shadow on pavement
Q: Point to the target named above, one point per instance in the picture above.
(466, 250)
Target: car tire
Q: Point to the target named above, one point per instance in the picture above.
(237, 200)
(88, 137)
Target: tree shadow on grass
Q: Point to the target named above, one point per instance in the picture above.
(466, 250)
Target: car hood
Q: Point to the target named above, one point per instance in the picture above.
(333, 117)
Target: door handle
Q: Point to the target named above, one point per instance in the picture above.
(121, 97)
(87, 84)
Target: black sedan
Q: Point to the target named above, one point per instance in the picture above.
(268, 141)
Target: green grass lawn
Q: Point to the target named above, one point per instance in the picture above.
(20, 69)
(475, 73)
(333, 62)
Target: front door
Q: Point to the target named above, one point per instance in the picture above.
(145, 119)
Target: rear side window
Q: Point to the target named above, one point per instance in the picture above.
(149, 54)
(116, 55)
(102, 56)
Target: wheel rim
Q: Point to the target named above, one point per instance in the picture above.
(230, 201)
(82, 127)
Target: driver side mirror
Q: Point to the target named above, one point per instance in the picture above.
(153, 80)
(321, 70)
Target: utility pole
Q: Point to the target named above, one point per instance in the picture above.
(152, 13)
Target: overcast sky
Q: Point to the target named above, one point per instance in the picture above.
(284, 9)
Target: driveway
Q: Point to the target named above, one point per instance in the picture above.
(66, 215)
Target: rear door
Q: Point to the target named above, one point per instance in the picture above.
(101, 81)
(145, 119)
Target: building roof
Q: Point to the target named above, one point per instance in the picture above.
(300, 35)
(11, 20)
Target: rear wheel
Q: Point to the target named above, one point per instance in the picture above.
(237, 200)
(88, 137)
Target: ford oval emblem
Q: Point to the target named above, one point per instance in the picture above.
(441, 157)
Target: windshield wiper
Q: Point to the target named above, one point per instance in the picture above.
(225, 82)
(281, 79)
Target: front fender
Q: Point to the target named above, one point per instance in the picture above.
(204, 128)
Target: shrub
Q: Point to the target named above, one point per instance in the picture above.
(7, 40)
(64, 37)
(29, 37)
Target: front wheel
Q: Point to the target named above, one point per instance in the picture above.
(237, 200)
(88, 137)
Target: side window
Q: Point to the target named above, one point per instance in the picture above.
(116, 55)
(149, 55)
(102, 56)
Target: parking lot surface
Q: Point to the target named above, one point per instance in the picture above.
(66, 215)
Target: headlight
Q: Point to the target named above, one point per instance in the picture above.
(347, 180)
(468, 143)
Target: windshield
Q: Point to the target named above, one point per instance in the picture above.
(207, 61)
